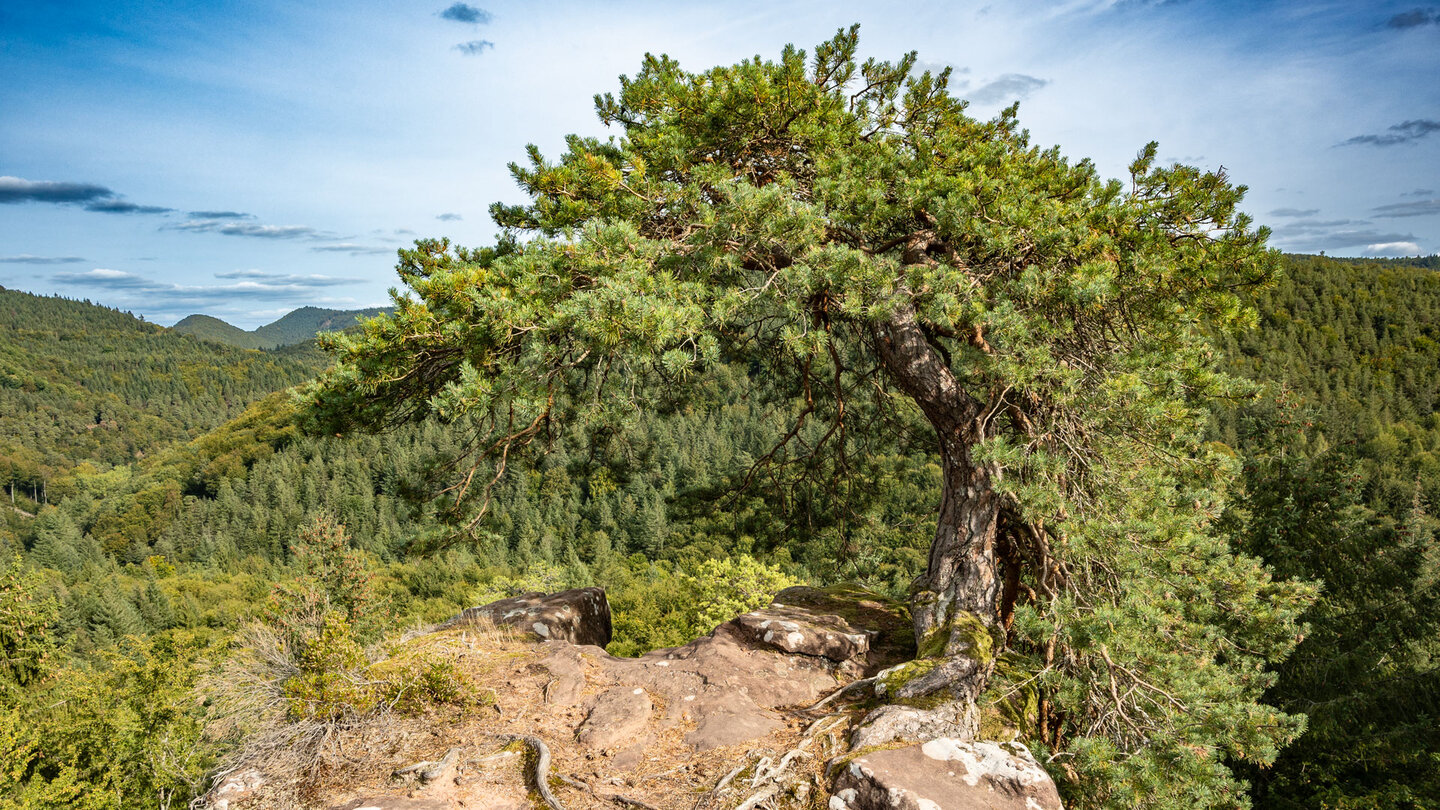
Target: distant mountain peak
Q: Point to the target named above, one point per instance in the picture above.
(296, 326)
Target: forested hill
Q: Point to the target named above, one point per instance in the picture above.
(81, 383)
(296, 327)
(1356, 343)
(166, 559)
(1340, 485)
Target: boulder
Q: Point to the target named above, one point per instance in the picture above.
(579, 616)
(946, 774)
(801, 632)
(890, 636)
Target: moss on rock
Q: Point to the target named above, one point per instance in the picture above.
(974, 639)
(893, 638)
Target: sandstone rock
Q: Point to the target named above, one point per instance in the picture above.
(234, 789)
(895, 721)
(567, 673)
(721, 728)
(885, 621)
(619, 716)
(793, 630)
(946, 774)
(579, 616)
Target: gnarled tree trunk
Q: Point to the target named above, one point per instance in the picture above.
(954, 603)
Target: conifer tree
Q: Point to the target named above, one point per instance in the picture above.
(881, 260)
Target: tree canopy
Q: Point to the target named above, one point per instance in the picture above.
(884, 262)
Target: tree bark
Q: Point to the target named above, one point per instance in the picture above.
(961, 577)
(954, 604)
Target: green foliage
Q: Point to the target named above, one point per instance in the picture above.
(85, 385)
(891, 274)
(1338, 484)
(27, 619)
(722, 589)
(126, 731)
(328, 609)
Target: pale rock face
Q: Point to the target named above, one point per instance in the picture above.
(579, 616)
(235, 789)
(946, 774)
(801, 632)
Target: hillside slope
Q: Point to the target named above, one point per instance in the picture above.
(215, 330)
(81, 383)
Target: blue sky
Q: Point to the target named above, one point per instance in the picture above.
(243, 159)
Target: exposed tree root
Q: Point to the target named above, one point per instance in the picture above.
(847, 688)
(770, 777)
(542, 767)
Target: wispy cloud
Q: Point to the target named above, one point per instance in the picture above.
(465, 13)
(1419, 192)
(1294, 212)
(313, 280)
(95, 197)
(26, 258)
(1414, 18)
(1009, 87)
(475, 47)
(106, 278)
(1403, 132)
(17, 189)
(244, 289)
(250, 229)
(1418, 208)
(220, 215)
(449, 217)
(352, 248)
(123, 207)
(1313, 236)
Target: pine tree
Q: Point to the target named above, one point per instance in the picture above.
(885, 264)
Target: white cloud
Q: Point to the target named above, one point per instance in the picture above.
(1392, 249)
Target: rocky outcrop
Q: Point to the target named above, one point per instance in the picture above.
(890, 637)
(756, 713)
(793, 630)
(946, 774)
(579, 616)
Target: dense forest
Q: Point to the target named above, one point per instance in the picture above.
(85, 384)
(162, 487)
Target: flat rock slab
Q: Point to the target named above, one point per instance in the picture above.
(803, 633)
(580, 616)
(946, 774)
(619, 716)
